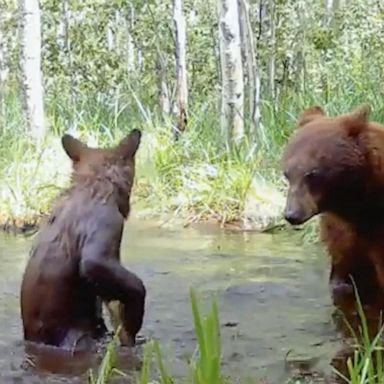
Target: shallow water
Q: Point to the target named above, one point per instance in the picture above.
(271, 289)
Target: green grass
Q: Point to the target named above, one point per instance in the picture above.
(204, 366)
(107, 369)
(196, 178)
(365, 366)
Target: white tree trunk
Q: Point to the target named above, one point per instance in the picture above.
(130, 43)
(272, 62)
(140, 59)
(164, 100)
(329, 11)
(181, 66)
(232, 104)
(64, 44)
(332, 7)
(111, 35)
(61, 32)
(252, 69)
(3, 72)
(3, 63)
(31, 67)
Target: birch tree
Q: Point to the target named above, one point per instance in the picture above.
(272, 59)
(3, 71)
(251, 67)
(181, 66)
(164, 100)
(331, 7)
(130, 44)
(64, 44)
(32, 86)
(232, 100)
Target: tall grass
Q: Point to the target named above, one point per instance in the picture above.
(204, 367)
(107, 369)
(194, 178)
(365, 366)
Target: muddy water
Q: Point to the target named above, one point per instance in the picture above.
(272, 292)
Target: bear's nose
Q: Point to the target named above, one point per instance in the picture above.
(293, 217)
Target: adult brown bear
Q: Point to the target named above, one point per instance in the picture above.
(335, 167)
(76, 262)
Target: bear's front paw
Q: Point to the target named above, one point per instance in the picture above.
(126, 340)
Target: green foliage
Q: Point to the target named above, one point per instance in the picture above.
(195, 178)
(366, 364)
(85, 47)
(152, 348)
(107, 369)
(207, 365)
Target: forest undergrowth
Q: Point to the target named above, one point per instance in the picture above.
(192, 179)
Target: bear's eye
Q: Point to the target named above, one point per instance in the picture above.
(313, 177)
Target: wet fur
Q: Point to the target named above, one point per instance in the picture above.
(75, 264)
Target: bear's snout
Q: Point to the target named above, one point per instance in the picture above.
(293, 217)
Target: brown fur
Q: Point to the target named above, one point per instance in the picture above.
(335, 167)
(75, 264)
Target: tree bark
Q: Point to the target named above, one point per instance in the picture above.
(31, 68)
(64, 43)
(181, 66)
(232, 100)
(164, 100)
(252, 69)
(272, 61)
(3, 71)
(130, 43)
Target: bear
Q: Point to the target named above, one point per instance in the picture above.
(334, 167)
(74, 266)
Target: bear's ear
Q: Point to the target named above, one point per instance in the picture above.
(73, 147)
(356, 120)
(310, 114)
(361, 113)
(129, 145)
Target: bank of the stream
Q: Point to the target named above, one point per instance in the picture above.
(194, 179)
(189, 180)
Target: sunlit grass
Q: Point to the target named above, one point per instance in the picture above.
(204, 366)
(107, 369)
(195, 178)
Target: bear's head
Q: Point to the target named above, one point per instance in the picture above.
(324, 162)
(115, 162)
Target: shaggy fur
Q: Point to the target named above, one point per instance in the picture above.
(75, 264)
(335, 167)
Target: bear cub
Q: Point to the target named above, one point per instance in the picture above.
(75, 264)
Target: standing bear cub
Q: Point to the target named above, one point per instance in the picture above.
(75, 265)
(335, 167)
